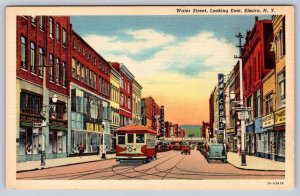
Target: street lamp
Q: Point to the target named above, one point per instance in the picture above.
(103, 142)
(232, 95)
(44, 125)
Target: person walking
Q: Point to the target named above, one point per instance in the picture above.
(80, 150)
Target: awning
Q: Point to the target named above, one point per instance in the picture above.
(279, 128)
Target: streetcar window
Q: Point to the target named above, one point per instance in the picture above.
(140, 138)
(121, 139)
(129, 138)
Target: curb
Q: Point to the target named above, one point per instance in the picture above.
(253, 169)
(35, 169)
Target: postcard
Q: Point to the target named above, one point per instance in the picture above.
(150, 97)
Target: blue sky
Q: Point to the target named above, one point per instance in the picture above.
(176, 59)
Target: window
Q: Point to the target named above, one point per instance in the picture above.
(257, 103)
(82, 72)
(269, 103)
(87, 74)
(122, 99)
(51, 27)
(282, 43)
(32, 58)
(41, 61)
(121, 138)
(64, 38)
(57, 32)
(128, 88)
(130, 138)
(57, 142)
(91, 78)
(276, 48)
(73, 68)
(41, 23)
(57, 71)
(64, 74)
(140, 138)
(121, 82)
(33, 20)
(281, 88)
(51, 67)
(78, 70)
(74, 43)
(94, 84)
(129, 103)
(23, 53)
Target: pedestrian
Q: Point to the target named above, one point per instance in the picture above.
(80, 150)
(98, 150)
(239, 149)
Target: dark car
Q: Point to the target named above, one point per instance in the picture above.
(185, 148)
(216, 152)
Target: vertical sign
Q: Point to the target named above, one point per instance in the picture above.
(221, 103)
(162, 120)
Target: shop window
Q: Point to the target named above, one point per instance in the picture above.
(121, 138)
(57, 142)
(32, 57)
(281, 143)
(140, 138)
(30, 141)
(23, 52)
(77, 138)
(130, 138)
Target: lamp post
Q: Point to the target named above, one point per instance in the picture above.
(103, 142)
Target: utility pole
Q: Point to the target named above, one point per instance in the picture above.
(243, 126)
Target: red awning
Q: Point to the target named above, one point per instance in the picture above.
(279, 128)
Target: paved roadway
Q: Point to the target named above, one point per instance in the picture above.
(169, 165)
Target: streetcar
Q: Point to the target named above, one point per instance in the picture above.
(135, 142)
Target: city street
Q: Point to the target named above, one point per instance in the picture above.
(169, 165)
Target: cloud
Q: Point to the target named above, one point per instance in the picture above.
(180, 73)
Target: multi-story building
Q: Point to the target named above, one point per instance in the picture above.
(115, 79)
(150, 111)
(279, 115)
(211, 115)
(136, 105)
(42, 41)
(258, 61)
(89, 105)
(125, 93)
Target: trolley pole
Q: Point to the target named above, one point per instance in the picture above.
(243, 126)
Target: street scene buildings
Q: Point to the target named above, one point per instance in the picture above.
(80, 107)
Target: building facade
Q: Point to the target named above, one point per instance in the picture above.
(136, 105)
(125, 93)
(89, 105)
(279, 109)
(258, 61)
(115, 79)
(42, 41)
(150, 111)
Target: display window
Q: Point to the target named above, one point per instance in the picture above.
(57, 142)
(30, 140)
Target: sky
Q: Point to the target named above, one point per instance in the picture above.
(176, 59)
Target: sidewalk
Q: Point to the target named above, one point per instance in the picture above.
(255, 163)
(34, 165)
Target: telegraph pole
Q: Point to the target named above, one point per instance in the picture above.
(243, 126)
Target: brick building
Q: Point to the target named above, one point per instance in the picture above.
(125, 93)
(258, 61)
(150, 110)
(89, 97)
(42, 40)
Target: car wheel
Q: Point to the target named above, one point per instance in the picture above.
(208, 160)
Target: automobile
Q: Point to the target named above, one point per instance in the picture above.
(185, 148)
(216, 152)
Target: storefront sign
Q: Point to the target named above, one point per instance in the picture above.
(230, 131)
(221, 103)
(280, 117)
(268, 120)
(162, 120)
(257, 125)
(92, 126)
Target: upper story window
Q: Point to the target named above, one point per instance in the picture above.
(41, 61)
(94, 84)
(64, 38)
(78, 70)
(41, 23)
(129, 103)
(73, 68)
(257, 103)
(276, 48)
(74, 43)
(23, 52)
(82, 73)
(281, 88)
(33, 20)
(51, 60)
(64, 74)
(51, 27)
(57, 71)
(57, 32)
(32, 57)
(282, 43)
(269, 103)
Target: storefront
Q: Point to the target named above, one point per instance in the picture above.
(269, 136)
(250, 139)
(230, 133)
(279, 128)
(259, 137)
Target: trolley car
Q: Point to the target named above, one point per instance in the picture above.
(135, 142)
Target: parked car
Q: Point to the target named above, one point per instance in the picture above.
(216, 152)
(185, 148)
